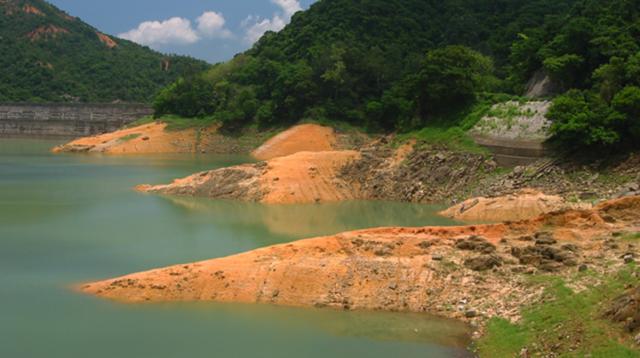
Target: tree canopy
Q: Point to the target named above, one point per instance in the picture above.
(48, 55)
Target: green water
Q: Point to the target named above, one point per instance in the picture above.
(71, 218)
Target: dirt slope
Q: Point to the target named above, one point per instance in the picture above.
(526, 204)
(144, 139)
(305, 177)
(300, 138)
(470, 272)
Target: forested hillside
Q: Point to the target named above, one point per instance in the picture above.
(47, 55)
(400, 64)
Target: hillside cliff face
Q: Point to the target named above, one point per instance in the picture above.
(48, 55)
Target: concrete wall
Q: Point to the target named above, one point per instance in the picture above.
(66, 120)
(511, 152)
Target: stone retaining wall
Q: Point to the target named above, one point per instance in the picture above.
(67, 120)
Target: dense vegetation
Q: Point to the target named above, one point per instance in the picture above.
(366, 62)
(405, 64)
(595, 55)
(50, 56)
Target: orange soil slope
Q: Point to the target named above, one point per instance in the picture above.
(300, 138)
(526, 204)
(305, 177)
(145, 139)
(410, 269)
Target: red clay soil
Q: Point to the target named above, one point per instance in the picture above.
(305, 177)
(460, 272)
(300, 138)
(46, 32)
(149, 138)
(526, 204)
(108, 41)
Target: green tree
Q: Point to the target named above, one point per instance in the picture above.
(450, 77)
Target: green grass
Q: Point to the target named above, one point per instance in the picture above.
(142, 121)
(450, 131)
(175, 123)
(129, 137)
(631, 237)
(568, 323)
(452, 138)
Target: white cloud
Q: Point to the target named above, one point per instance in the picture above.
(289, 7)
(176, 30)
(211, 24)
(256, 26)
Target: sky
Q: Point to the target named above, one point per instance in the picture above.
(212, 30)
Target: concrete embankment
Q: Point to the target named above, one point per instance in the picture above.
(68, 119)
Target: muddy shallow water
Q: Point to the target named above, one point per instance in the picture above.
(71, 218)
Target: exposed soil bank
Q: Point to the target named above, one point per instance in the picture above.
(305, 177)
(301, 138)
(145, 139)
(470, 272)
(525, 204)
(155, 138)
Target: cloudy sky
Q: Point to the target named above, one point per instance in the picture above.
(213, 30)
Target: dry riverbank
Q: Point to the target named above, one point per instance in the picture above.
(470, 272)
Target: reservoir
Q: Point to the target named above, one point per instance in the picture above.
(66, 219)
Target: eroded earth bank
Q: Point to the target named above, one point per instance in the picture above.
(467, 272)
(561, 218)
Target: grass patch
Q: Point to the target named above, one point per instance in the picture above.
(453, 138)
(177, 123)
(129, 137)
(567, 324)
(450, 131)
(139, 122)
(631, 237)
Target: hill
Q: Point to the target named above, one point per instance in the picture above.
(48, 55)
(406, 64)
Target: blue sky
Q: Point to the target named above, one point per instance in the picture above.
(212, 30)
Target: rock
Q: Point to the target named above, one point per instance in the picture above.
(550, 266)
(437, 257)
(471, 314)
(483, 262)
(477, 244)
(583, 268)
(545, 238)
(628, 258)
(626, 309)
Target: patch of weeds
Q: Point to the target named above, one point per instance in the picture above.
(452, 138)
(631, 237)
(565, 323)
(139, 122)
(129, 137)
(177, 123)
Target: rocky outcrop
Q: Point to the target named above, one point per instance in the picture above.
(106, 40)
(526, 204)
(305, 177)
(540, 85)
(469, 272)
(427, 175)
(46, 32)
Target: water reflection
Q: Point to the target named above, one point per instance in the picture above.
(309, 220)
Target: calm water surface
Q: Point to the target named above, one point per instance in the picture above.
(66, 219)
